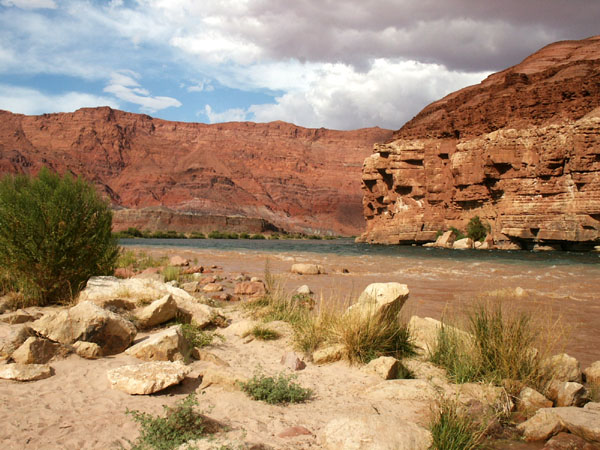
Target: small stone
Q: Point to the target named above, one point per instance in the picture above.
(147, 378)
(255, 280)
(224, 377)
(35, 351)
(192, 286)
(205, 355)
(18, 317)
(87, 350)
(25, 372)
(304, 290)
(567, 393)
(385, 367)
(212, 287)
(563, 368)
(291, 361)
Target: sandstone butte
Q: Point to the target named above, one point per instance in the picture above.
(195, 177)
(521, 150)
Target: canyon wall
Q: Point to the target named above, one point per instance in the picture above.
(521, 150)
(296, 179)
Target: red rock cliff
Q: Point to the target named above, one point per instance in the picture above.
(296, 178)
(521, 150)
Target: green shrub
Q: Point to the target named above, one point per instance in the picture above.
(276, 390)
(197, 337)
(476, 230)
(55, 233)
(453, 429)
(258, 236)
(244, 236)
(263, 333)
(197, 235)
(180, 424)
(459, 234)
(216, 235)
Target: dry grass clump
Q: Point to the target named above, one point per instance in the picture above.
(138, 260)
(502, 342)
(453, 429)
(365, 334)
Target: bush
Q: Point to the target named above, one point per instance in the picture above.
(459, 234)
(263, 333)
(196, 337)
(171, 273)
(476, 230)
(55, 233)
(453, 429)
(180, 424)
(276, 390)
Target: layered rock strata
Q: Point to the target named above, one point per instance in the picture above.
(296, 178)
(521, 151)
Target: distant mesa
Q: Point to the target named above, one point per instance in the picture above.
(293, 178)
(521, 150)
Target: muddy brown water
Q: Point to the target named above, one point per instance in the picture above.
(566, 290)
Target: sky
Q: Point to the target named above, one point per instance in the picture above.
(316, 63)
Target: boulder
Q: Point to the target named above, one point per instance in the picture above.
(385, 367)
(592, 374)
(254, 288)
(36, 351)
(25, 372)
(547, 422)
(329, 354)
(304, 290)
(87, 350)
(568, 441)
(16, 336)
(567, 393)
(446, 239)
(87, 322)
(147, 378)
(178, 261)
(463, 244)
(382, 298)
(307, 269)
(157, 312)
(192, 286)
(531, 400)
(292, 362)
(167, 345)
(199, 313)
(563, 367)
(374, 432)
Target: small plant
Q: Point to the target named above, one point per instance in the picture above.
(476, 230)
(453, 429)
(263, 333)
(138, 261)
(171, 273)
(404, 373)
(180, 424)
(459, 234)
(276, 390)
(55, 233)
(197, 337)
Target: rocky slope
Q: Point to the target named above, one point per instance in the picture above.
(521, 150)
(295, 178)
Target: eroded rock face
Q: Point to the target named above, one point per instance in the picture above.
(521, 150)
(276, 173)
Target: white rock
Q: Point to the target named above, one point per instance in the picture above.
(582, 422)
(382, 298)
(463, 244)
(147, 378)
(446, 240)
(25, 372)
(307, 269)
(563, 367)
(567, 393)
(157, 312)
(531, 400)
(87, 350)
(167, 345)
(304, 290)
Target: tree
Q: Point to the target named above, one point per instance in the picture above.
(476, 230)
(55, 233)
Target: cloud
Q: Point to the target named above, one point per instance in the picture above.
(123, 85)
(30, 4)
(200, 86)
(230, 115)
(24, 100)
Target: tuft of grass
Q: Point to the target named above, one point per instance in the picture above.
(197, 337)
(263, 333)
(180, 424)
(404, 373)
(171, 273)
(138, 260)
(453, 429)
(501, 342)
(368, 335)
(280, 389)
